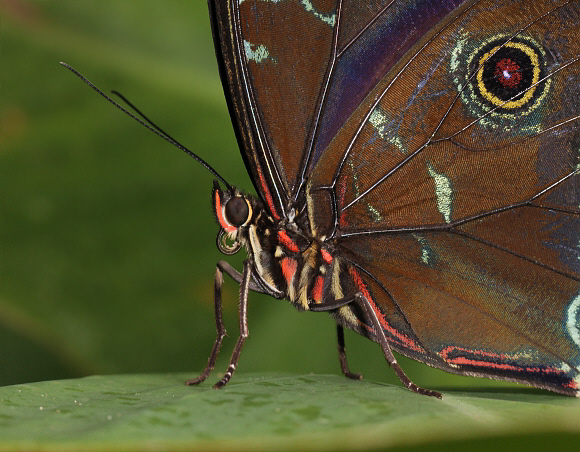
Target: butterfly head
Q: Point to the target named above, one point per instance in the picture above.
(234, 212)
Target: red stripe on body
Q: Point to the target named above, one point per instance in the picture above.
(285, 240)
(288, 266)
(403, 338)
(326, 256)
(316, 293)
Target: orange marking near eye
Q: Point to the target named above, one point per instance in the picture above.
(316, 293)
(220, 214)
(287, 242)
(288, 266)
(403, 338)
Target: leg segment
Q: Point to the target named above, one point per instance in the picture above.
(237, 276)
(243, 319)
(342, 355)
(221, 268)
(221, 330)
(382, 340)
(359, 299)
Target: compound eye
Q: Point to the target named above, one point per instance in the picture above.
(237, 211)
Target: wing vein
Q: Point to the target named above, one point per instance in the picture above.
(430, 140)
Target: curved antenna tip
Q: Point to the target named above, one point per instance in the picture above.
(153, 128)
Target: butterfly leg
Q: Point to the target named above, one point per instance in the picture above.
(342, 355)
(221, 268)
(237, 276)
(221, 330)
(382, 340)
(243, 323)
(360, 299)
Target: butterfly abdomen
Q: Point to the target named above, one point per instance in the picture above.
(301, 268)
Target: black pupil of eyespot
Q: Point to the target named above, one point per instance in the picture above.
(237, 211)
(508, 73)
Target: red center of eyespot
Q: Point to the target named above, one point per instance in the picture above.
(508, 73)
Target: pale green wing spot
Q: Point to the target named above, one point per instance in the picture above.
(573, 320)
(377, 218)
(455, 61)
(381, 122)
(257, 53)
(443, 192)
(330, 19)
(426, 252)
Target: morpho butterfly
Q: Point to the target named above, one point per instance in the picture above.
(417, 164)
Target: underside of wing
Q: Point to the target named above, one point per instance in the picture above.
(453, 189)
(434, 146)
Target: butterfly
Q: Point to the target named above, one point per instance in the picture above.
(417, 165)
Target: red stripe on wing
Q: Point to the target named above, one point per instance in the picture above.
(405, 340)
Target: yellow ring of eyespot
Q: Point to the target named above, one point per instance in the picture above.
(529, 93)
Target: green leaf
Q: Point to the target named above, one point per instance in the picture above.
(270, 412)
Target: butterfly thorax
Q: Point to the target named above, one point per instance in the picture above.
(288, 262)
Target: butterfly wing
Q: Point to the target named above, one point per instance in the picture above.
(461, 212)
(275, 59)
(436, 144)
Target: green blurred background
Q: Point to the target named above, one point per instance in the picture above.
(107, 237)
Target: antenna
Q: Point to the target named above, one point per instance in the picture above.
(146, 122)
